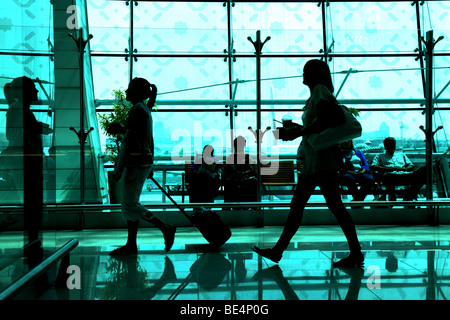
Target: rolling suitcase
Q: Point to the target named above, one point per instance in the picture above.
(206, 221)
(208, 272)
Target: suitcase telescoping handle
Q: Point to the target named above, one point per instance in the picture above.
(171, 199)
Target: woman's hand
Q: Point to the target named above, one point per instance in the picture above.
(116, 128)
(290, 133)
(46, 129)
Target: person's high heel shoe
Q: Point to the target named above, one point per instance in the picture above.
(352, 261)
(268, 253)
(169, 237)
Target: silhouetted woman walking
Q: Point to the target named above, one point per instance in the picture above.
(320, 168)
(135, 164)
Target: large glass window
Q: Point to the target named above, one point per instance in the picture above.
(109, 22)
(180, 27)
(25, 48)
(173, 76)
(372, 27)
(373, 78)
(200, 57)
(293, 27)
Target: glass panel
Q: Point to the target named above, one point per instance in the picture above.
(281, 78)
(109, 23)
(173, 76)
(293, 27)
(402, 125)
(25, 26)
(11, 177)
(378, 78)
(13, 66)
(367, 27)
(441, 76)
(434, 16)
(180, 27)
(109, 73)
(442, 118)
(181, 135)
(26, 39)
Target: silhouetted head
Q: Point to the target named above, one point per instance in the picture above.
(139, 90)
(390, 144)
(317, 72)
(391, 264)
(22, 90)
(239, 144)
(347, 145)
(208, 151)
(208, 154)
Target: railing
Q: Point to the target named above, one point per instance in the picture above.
(15, 288)
(269, 204)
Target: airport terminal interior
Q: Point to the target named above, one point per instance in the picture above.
(223, 70)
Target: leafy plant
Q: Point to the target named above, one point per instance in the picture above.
(354, 111)
(124, 274)
(118, 115)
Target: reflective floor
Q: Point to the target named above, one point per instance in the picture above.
(401, 263)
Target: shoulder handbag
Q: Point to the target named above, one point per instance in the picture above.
(348, 130)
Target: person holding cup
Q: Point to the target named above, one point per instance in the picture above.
(320, 168)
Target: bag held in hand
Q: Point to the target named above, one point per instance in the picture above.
(348, 130)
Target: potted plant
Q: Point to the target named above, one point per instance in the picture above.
(107, 121)
(115, 119)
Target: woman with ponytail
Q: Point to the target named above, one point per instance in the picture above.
(135, 164)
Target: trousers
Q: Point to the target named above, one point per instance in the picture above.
(366, 183)
(328, 183)
(414, 182)
(133, 180)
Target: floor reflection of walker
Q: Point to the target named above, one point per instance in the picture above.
(401, 263)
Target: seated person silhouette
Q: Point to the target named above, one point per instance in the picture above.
(395, 169)
(205, 181)
(239, 177)
(355, 170)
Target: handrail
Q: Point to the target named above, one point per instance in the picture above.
(26, 279)
(87, 207)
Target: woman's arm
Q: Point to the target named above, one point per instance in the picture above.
(30, 123)
(329, 115)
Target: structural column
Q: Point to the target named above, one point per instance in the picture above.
(258, 49)
(429, 111)
(76, 179)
